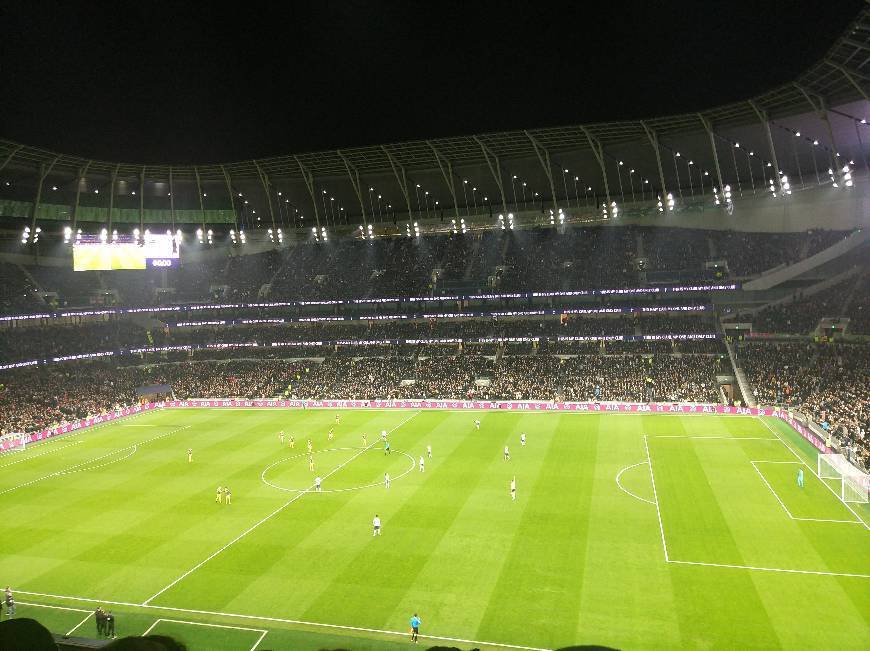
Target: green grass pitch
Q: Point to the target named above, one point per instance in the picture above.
(717, 547)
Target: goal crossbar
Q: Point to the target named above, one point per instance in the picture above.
(854, 483)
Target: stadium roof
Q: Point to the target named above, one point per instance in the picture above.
(828, 88)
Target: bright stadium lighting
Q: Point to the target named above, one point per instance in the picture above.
(716, 195)
(678, 155)
(847, 176)
(614, 209)
(25, 235)
(816, 143)
(54, 187)
(199, 235)
(67, 234)
(661, 207)
(114, 235)
(797, 134)
(210, 233)
(104, 235)
(671, 204)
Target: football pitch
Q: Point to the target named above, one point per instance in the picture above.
(630, 531)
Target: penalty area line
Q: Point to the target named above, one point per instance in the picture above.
(280, 620)
(655, 496)
(84, 464)
(269, 517)
(812, 470)
(770, 569)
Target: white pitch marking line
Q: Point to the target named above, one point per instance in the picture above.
(90, 613)
(812, 470)
(271, 515)
(772, 569)
(75, 610)
(181, 621)
(260, 639)
(71, 435)
(333, 490)
(655, 496)
(76, 627)
(41, 454)
(770, 488)
(718, 438)
(103, 465)
(792, 463)
(793, 517)
(260, 618)
(625, 490)
(71, 469)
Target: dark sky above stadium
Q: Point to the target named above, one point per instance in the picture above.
(210, 81)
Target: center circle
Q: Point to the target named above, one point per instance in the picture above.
(296, 467)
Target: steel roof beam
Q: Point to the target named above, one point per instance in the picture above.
(653, 138)
(80, 178)
(765, 123)
(308, 177)
(544, 158)
(229, 183)
(353, 174)
(447, 172)
(267, 184)
(495, 168)
(43, 172)
(401, 179)
(708, 127)
(598, 150)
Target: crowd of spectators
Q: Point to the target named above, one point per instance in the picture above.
(545, 259)
(36, 397)
(49, 340)
(801, 314)
(828, 382)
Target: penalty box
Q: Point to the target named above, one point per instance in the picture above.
(735, 502)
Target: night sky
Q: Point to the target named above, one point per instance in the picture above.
(208, 81)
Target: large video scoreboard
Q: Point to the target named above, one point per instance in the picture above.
(154, 251)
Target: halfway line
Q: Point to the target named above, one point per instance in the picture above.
(269, 517)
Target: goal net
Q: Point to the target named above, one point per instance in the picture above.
(853, 484)
(12, 442)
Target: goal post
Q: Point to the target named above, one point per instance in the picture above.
(853, 483)
(14, 441)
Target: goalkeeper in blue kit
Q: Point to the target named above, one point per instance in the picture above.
(800, 477)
